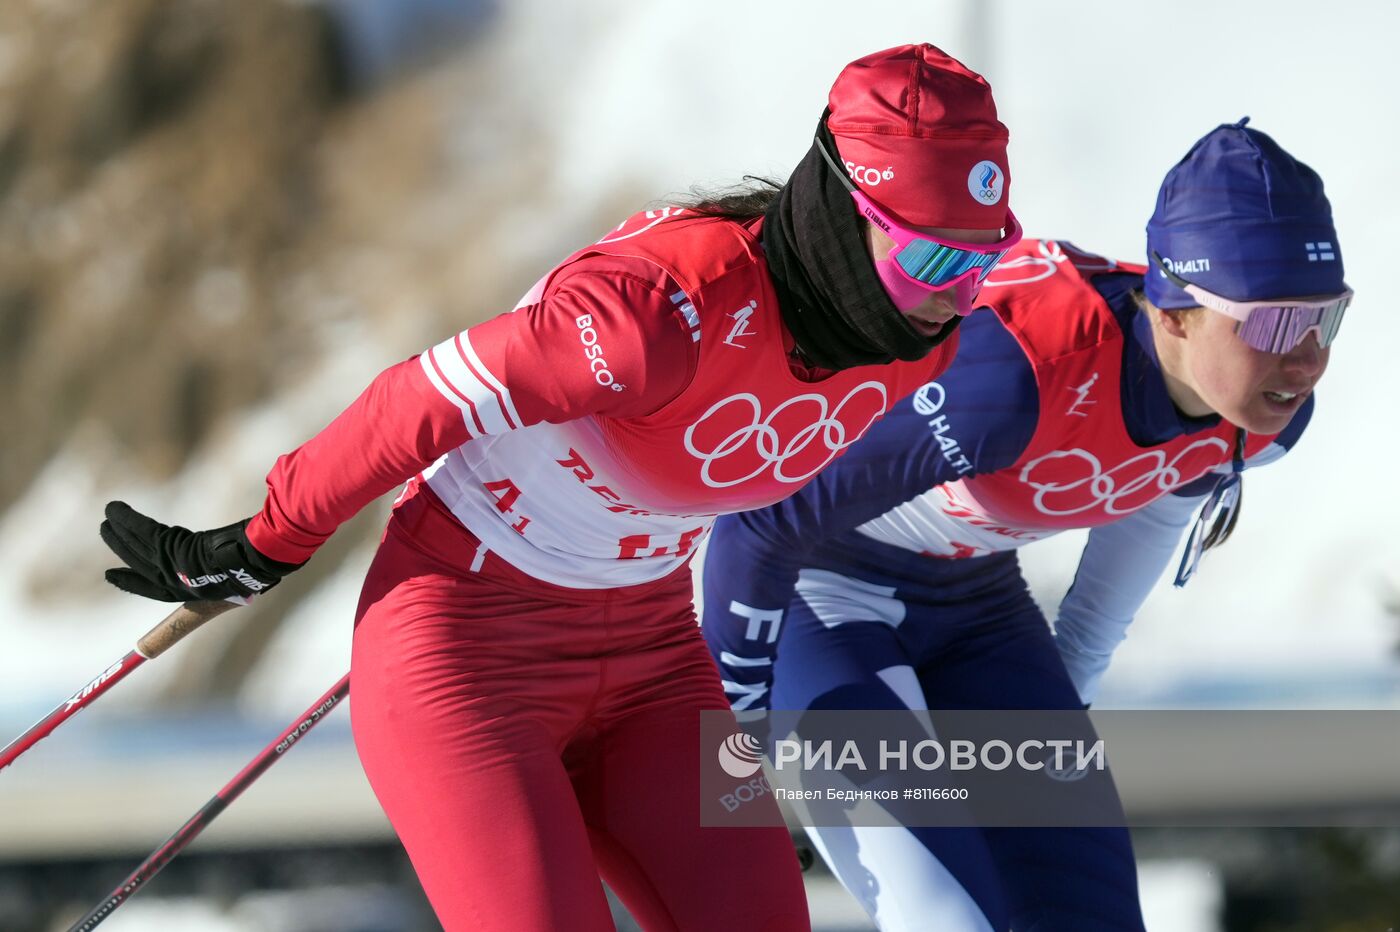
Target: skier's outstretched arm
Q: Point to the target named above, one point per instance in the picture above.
(518, 369)
(1123, 561)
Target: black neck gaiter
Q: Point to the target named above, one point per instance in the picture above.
(829, 295)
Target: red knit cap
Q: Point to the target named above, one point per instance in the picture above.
(918, 133)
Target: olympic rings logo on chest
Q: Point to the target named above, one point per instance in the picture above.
(1069, 482)
(735, 442)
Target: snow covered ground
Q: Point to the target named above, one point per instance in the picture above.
(1177, 897)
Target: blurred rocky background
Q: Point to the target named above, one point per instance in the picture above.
(208, 207)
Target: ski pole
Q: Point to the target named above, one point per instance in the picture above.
(155, 642)
(221, 800)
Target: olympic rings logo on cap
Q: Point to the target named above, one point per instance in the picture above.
(1068, 482)
(757, 442)
(985, 182)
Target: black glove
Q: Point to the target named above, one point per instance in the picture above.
(174, 564)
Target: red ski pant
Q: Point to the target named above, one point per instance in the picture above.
(524, 739)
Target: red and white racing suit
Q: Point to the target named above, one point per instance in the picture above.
(527, 667)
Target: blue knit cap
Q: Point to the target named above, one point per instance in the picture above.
(1242, 218)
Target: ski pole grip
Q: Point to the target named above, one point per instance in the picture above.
(178, 624)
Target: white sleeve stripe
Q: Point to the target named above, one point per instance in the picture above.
(452, 367)
(734, 660)
(743, 695)
(464, 345)
(463, 403)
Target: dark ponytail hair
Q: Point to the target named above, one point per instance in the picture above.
(747, 200)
